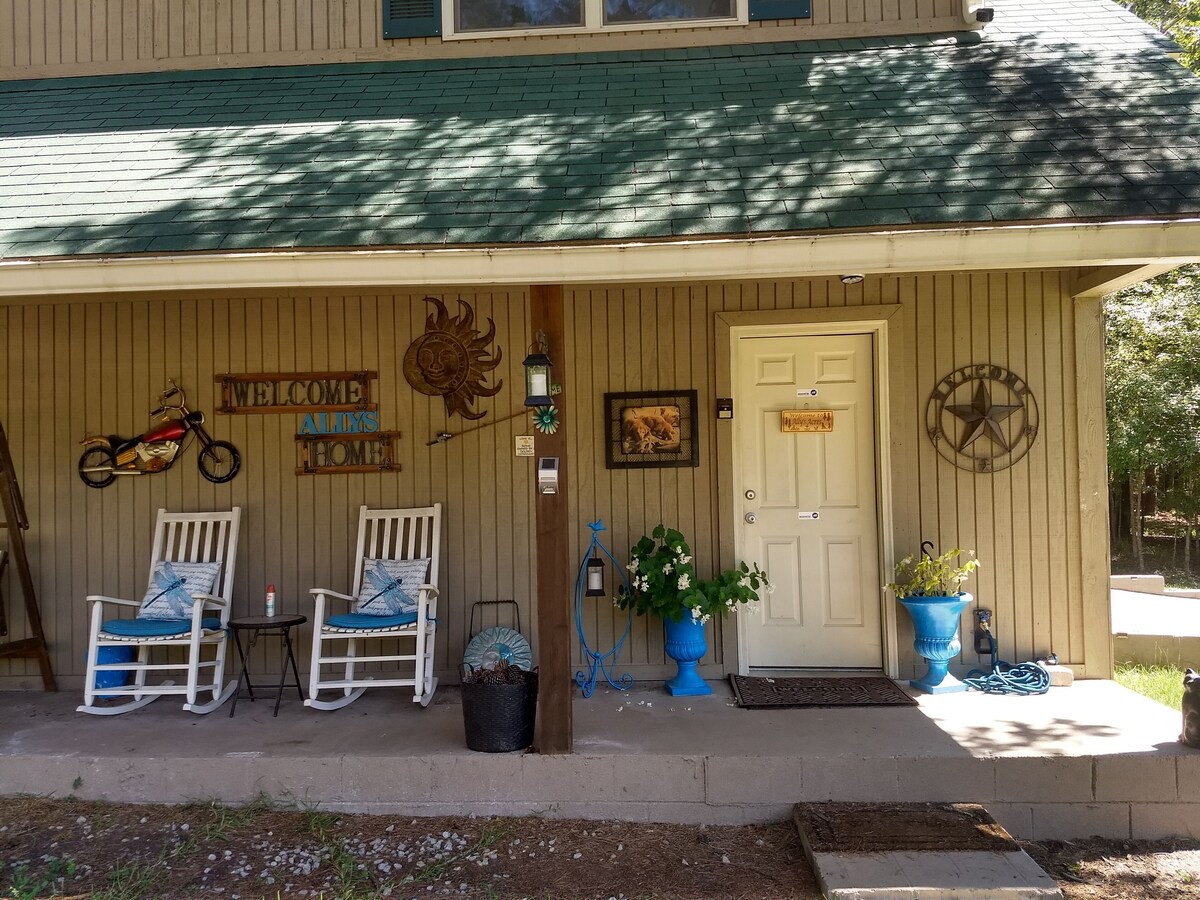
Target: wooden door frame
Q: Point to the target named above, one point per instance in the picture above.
(884, 324)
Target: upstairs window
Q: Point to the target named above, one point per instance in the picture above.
(477, 18)
(505, 18)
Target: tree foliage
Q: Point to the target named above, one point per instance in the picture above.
(1152, 375)
(1178, 18)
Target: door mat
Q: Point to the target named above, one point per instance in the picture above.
(795, 693)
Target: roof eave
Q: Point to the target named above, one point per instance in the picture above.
(1161, 243)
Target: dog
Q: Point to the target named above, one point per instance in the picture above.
(1191, 709)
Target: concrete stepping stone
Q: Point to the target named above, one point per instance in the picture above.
(917, 851)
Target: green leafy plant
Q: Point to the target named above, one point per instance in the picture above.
(932, 576)
(664, 582)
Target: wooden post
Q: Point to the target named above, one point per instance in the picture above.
(553, 530)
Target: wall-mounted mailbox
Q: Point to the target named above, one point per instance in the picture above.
(547, 475)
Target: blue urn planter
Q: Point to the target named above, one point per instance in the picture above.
(685, 644)
(936, 622)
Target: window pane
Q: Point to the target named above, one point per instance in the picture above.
(618, 11)
(491, 15)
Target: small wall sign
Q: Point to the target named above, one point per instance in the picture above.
(802, 421)
(329, 454)
(287, 392)
(524, 445)
(806, 392)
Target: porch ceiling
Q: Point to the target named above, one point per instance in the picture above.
(1065, 110)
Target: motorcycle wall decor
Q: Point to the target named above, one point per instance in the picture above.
(108, 456)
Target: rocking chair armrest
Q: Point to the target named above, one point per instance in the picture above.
(97, 598)
(328, 593)
(430, 589)
(211, 600)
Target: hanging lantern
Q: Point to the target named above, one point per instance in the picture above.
(537, 374)
(595, 578)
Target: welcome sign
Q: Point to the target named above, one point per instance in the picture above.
(284, 392)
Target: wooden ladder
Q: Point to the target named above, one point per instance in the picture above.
(16, 523)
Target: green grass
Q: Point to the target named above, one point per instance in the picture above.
(1161, 683)
(25, 885)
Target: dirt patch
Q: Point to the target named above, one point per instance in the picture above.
(72, 848)
(1098, 869)
(871, 827)
(75, 848)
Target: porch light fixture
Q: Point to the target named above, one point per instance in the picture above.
(595, 577)
(537, 373)
(852, 279)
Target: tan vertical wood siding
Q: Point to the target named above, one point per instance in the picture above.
(73, 367)
(40, 38)
(1025, 523)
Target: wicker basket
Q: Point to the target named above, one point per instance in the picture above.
(499, 718)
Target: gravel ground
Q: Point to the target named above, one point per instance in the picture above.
(73, 848)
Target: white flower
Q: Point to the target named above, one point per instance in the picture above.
(770, 588)
(744, 581)
(668, 568)
(684, 560)
(697, 616)
(684, 581)
(632, 567)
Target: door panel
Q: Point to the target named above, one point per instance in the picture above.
(814, 501)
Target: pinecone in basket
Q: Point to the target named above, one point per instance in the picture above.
(502, 673)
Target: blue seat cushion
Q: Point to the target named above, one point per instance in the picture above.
(155, 627)
(361, 620)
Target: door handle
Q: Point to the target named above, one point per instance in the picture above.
(751, 518)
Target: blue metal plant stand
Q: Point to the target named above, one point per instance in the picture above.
(599, 663)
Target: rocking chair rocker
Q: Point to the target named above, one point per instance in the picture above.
(394, 597)
(187, 606)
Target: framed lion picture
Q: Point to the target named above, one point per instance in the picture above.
(650, 430)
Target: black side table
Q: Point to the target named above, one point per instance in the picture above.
(272, 626)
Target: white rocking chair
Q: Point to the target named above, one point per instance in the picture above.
(205, 537)
(387, 535)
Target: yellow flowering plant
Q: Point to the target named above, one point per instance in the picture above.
(932, 576)
(663, 581)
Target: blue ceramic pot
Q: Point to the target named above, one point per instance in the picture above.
(936, 622)
(685, 644)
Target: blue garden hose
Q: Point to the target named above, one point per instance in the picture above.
(1005, 678)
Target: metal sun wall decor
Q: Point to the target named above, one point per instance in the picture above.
(451, 360)
(982, 418)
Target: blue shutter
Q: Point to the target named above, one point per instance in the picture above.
(412, 18)
(780, 9)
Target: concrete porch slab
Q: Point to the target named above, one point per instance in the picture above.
(1091, 758)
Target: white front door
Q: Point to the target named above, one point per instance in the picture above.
(812, 496)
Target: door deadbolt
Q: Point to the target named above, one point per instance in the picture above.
(751, 518)
(750, 495)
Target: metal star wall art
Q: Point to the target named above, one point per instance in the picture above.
(983, 418)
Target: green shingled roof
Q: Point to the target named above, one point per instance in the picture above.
(1024, 124)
